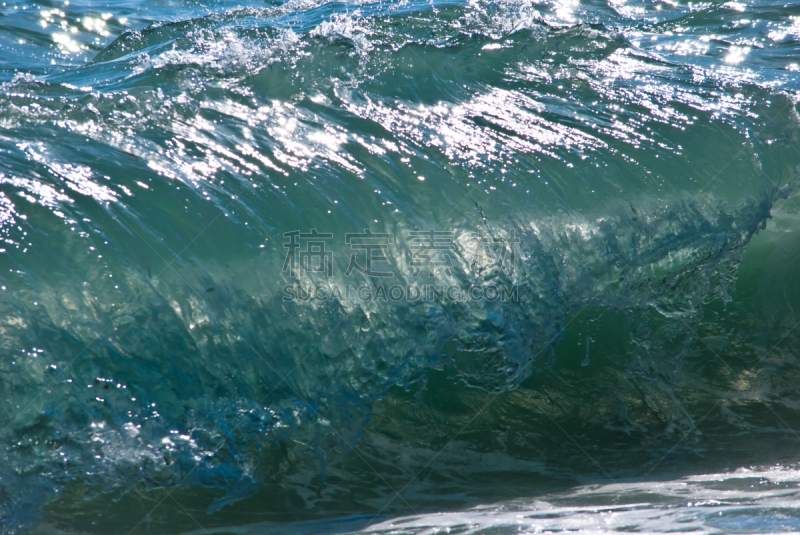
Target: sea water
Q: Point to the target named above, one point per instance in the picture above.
(399, 267)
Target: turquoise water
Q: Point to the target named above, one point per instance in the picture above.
(399, 267)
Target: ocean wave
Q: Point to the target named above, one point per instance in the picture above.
(149, 199)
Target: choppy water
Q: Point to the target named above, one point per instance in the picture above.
(610, 188)
(745, 501)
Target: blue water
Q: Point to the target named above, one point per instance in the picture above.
(407, 267)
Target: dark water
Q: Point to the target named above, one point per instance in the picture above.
(415, 267)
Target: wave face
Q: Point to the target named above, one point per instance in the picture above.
(182, 309)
